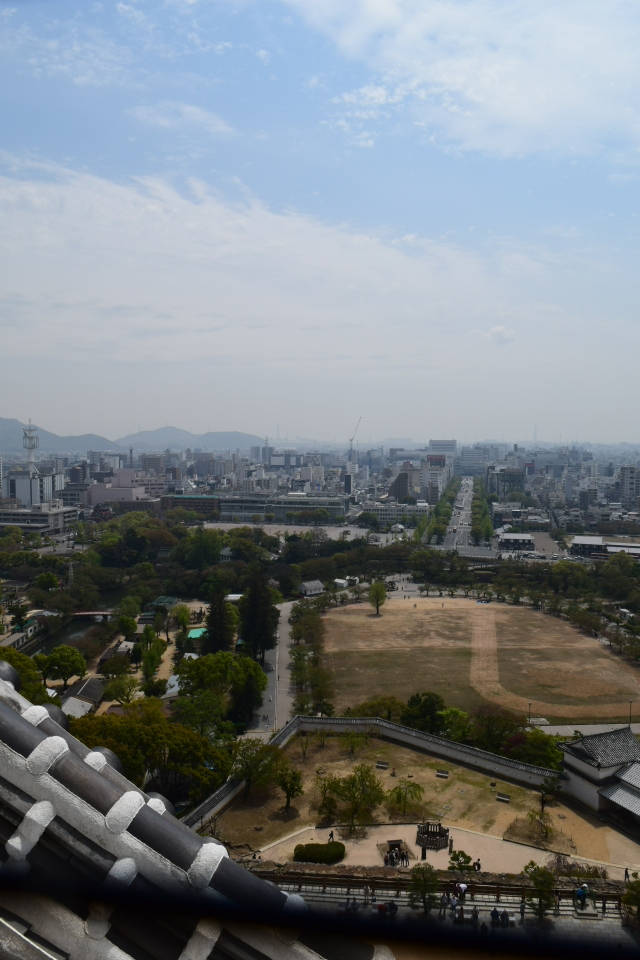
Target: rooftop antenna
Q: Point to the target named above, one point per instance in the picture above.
(351, 439)
(30, 441)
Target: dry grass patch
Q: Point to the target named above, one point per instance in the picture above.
(518, 655)
(466, 798)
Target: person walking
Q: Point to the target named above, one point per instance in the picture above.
(443, 905)
(522, 909)
(626, 874)
(331, 836)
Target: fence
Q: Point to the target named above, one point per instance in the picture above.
(524, 774)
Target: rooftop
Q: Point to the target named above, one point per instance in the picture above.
(606, 749)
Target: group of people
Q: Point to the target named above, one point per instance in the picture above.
(396, 858)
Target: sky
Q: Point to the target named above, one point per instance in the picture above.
(283, 215)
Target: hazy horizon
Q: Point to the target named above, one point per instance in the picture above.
(279, 216)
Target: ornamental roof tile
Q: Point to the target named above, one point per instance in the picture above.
(606, 749)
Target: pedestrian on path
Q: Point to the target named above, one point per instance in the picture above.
(522, 909)
(626, 874)
(443, 905)
(331, 836)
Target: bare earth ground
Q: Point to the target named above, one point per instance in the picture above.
(473, 653)
(466, 803)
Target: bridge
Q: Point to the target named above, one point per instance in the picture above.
(105, 614)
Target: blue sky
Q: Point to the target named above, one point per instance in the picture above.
(287, 213)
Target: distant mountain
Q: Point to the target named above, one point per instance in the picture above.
(11, 440)
(158, 439)
(154, 440)
(175, 438)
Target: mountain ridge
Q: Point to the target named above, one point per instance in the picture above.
(145, 440)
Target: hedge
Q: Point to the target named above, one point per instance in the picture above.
(331, 852)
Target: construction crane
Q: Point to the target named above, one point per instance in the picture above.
(351, 439)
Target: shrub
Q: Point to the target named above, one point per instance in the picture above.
(331, 852)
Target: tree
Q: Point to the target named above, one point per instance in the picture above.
(221, 622)
(385, 707)
(327, 787)
(361, 792)
(122, 689)
(541, 820)
(534, 746)
(352, 741)
(455, 724)
(165, 756)
(182, 616)
(631, 896)
(424, 886)
(203, 711)
(30, 686)
(127, 626)
(407, 791)
(44, 665)
(129, 607)
(493, 726)
(67, 662)
(541, 898)
(423, 712)
(248, 686)
(116, 666)
(377, 595)
(290, 782)
(459, 860)
(258, 614)
(19, 615)
(47, 581)
(254, 762)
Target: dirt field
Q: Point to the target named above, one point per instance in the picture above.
(465, 802)
(466, 798)
(473, 653)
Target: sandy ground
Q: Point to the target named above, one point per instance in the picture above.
(473, 653)
(466, 803)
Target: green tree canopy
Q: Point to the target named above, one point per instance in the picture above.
(67, 662)
(258, 614)
(31, 687)
(122, 689)
(177, 758)
(423, 712)
(255, 762)
(377, 595)
(290, 782)
(221, 621)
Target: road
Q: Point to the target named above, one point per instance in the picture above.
(458, 535)
(279, 695)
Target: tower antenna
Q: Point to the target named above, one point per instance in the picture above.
(30, 442)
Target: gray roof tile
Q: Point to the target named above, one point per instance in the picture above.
(606, 749)
(623, 795)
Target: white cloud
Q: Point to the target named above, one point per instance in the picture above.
(180, 116)
(88, 265)
(506, 77)
(177, 301)
(500, 335)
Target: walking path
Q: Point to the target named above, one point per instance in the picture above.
(485, 676)
(496, 855)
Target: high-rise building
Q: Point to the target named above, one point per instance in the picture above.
(629, 486)
(152, 463)
(448, 447)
